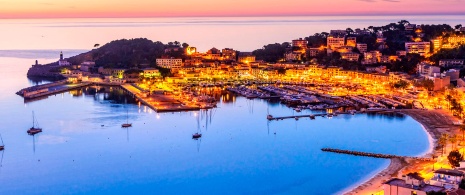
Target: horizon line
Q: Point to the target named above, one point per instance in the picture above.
(244, 16)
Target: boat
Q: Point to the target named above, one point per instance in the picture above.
(127, 124)
(34, 130)
(196, 135)
(297, 109)
(296, 118)
(269, 117)
(2, 147)
(312, 117)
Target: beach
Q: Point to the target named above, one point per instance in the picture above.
(435, 123)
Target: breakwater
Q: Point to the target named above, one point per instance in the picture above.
(374, 155)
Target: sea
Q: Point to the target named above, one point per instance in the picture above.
(84, 150)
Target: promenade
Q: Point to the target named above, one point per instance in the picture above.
(158, 102)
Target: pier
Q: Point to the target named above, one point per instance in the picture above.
(158, 102)
(374, 155)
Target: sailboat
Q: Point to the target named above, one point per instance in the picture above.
(197, 135)
(127, 124)
(34, 130)
(2, 147)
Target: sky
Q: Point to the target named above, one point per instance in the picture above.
(181, 8)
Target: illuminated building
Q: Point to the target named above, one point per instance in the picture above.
(351, 41)
(421, 48)
(335, 42)
(302, 43)
(350, 56)
(437, 44)
(191, 50)
(229, 54)
(246, 57)
(171, 63)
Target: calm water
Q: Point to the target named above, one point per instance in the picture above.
(238, 154)
(242, 33)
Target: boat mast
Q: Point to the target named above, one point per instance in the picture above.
(1, 139)
(33, 120)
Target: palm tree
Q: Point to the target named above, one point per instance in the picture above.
(453, 140)
(462, 129)
(443, 141)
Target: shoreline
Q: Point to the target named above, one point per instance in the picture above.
(434, 122)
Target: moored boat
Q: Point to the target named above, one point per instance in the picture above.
(34, 130)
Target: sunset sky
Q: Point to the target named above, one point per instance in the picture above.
(157, 8)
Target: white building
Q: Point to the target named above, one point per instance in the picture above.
(334, 42)
(63, 62)
(451, 62)
(170, 63)
(447, 178)
(410, 184)
(421, 48)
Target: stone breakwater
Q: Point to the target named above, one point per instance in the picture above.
(374, 155)
(43, 71)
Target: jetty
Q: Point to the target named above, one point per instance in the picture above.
(157, 102)
(39, 91)
(374, 155)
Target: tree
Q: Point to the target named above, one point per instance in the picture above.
(401, 84)
(442, 141)
(458, 26)
(454, 158)
(185, 45)
(462, 129)
(453, 140)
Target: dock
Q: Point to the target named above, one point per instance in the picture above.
(373, 155)
(158, 102)
(42, 91)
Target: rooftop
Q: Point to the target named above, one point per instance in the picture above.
(424, 188)
(449, 172)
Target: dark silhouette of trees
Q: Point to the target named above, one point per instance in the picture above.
(454, 158)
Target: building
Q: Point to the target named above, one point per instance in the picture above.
(190, 50)
(351, 41)
(451, 62)
(63, 62)
(345, 49)
(447, 178)
(401, 53)
(371, 57)
(410, 184)
(228, 54)
(437, 44)
(171, 63)
(293, 56)
(335, 42)
(440, 82)
(302, 43)
(426, 69)
(350, 56)
(362, 47)
(246, 57)
(313, 52)
(453, 74)
(338, 33)
(151, 72)
(421, 48)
